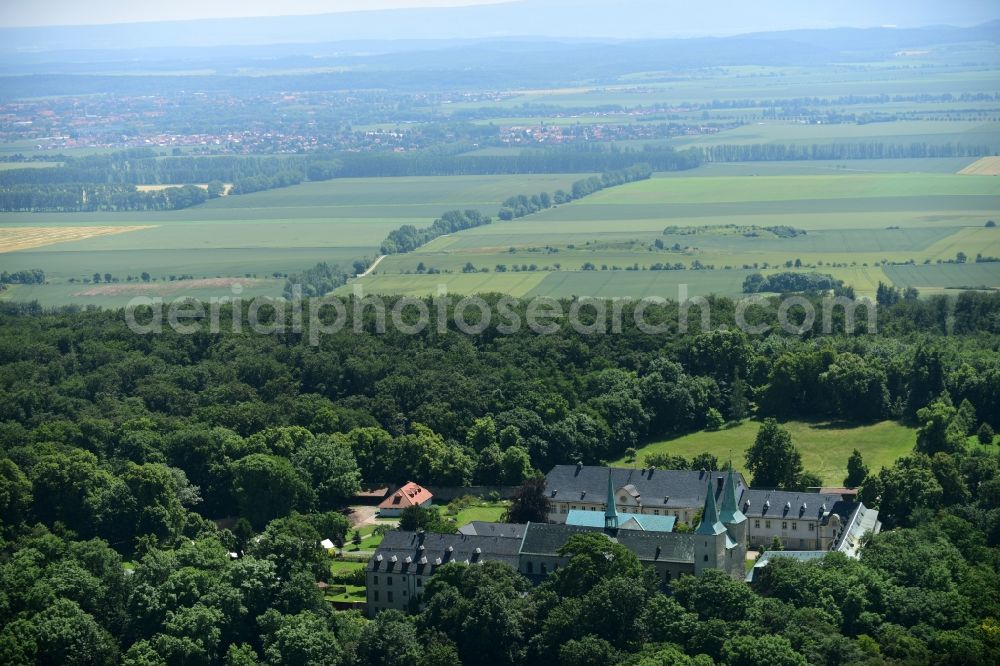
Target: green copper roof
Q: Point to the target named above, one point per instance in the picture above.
(730, 512)
(610, 511)
(710, 524)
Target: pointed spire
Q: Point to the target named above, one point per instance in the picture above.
(610, 511)
(730, 512)
(710, 524)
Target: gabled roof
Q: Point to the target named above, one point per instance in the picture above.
(547, 539)
(658, 546)
(627, 521)
(409, 495)
(655, 487)
(421, 553)
(784, 504)
(647, 523)
(503, 530)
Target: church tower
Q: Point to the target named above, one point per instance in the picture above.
(610, 511)
(736, 525)
(730, 514)
(711, 536)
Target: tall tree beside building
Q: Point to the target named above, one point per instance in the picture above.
(530, 503)
(773, 460)
(857, 470)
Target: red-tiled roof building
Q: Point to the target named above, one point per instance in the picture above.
(409, 495)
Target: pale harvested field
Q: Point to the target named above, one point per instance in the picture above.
(984, 166)
(158, 288)
(13, 239)
(156, 188)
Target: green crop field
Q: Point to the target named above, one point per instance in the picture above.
(969, 132)
(825, 446)
(276, 231)
(855, 223)
(639, 284)
(515, 284)
(797, 188)
(945, 276)
(754, 83)
(826, 167)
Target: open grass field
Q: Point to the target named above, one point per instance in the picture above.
(825, 446)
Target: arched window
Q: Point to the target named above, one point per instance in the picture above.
(545, 568)
(529, 567)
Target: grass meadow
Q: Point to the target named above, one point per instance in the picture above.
(825, 446)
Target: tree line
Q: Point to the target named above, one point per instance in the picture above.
(868, 150)
(408, 237)
(522, 204)
(88, 197)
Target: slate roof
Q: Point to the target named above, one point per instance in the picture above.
(781, 504)
(507, 530)
(658, 546)
(546, 539)
(568, 483)
(421, 553)
(626, 521)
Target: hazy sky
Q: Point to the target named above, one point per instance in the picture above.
(87, 12)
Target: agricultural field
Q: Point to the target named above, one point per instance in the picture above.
(752, 83)
(986, 166)
(13, 239)
(248, 236)
(856, 226)
(931, 132)
(825, 446)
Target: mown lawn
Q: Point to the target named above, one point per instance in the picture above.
(488, 512)
(354, 593)
(825, 446)
(341, 566)
(369, 541)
